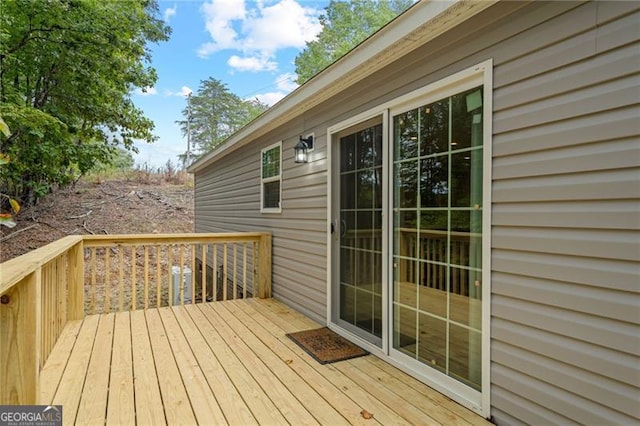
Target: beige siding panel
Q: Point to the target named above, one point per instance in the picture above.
(614, 275)
(604, 244)
(623, 30)
(614, 156)
(613, 64)
(602, 97)
(553, 56)
(613, 304)
(617, 366)
(613, 10)
(595, 214)
(609, 125)
(299, 252)
(509, 408)
(566, 376)
(563, 51)
(609, 185)
(562, 403)
(612, 334)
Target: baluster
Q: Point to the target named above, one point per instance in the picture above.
(107, 283)
(146, 277)
(204, 272)
(134, 264)
(158, 279)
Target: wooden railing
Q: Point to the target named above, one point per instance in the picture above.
(434, 249)
(43, 289)
(431, 247)
(129, 272)
(39, 292)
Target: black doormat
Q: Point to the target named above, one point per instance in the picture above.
(325, 346)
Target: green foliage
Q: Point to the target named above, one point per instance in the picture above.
(118, 162)
(67, 71)
(345, 24)
(6, 219)
(216, 114)
(4, 129)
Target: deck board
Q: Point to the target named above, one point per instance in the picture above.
(57, 362)
(93, 402)
(231, 402)
(307, 395)
(262, 408)
(71, 385)
(149, 410)
(288, 322)
(121, 405)
(300, 363)
(225, 363)
(203, 402)
(175, 400)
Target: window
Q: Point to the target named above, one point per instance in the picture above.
(437, 234)
(271, 179)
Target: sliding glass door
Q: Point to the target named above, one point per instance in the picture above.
(360, 230)
(437, 235)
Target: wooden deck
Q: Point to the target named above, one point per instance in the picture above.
(224, 363)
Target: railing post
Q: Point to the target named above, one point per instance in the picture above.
(20, 340)
(75, 307)
(264, 266)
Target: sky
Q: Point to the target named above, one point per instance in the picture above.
(249, 45)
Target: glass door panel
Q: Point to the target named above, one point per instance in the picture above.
(360, 216)
(437, 235)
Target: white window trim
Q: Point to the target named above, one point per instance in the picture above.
(482, 73)
(271, 179)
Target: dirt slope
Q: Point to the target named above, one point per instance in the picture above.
(107, 207)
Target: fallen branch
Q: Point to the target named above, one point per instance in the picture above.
(13, 234)
(79, 216)
(99, 203)
(48, 224)
(84, 225)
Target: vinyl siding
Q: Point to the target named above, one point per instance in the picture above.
(565, 323)
(227, 198)
(566, 221)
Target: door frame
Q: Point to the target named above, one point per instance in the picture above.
(333, 203)
(480, 74)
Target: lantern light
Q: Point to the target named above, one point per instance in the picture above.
(302, 149)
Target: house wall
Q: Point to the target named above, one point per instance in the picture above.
(565, 213)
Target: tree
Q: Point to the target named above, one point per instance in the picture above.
(118, 162)
(216, 114)
(345, 24)
(67, 71)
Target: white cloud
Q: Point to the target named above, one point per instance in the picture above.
(270, 98)
(285, 24)
(145, 91)
(219, 18)
(252, 63)
(259, 32)
(183, 92)
(169, 13)
(285, 84)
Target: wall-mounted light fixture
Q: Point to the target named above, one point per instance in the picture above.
(302, 149)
